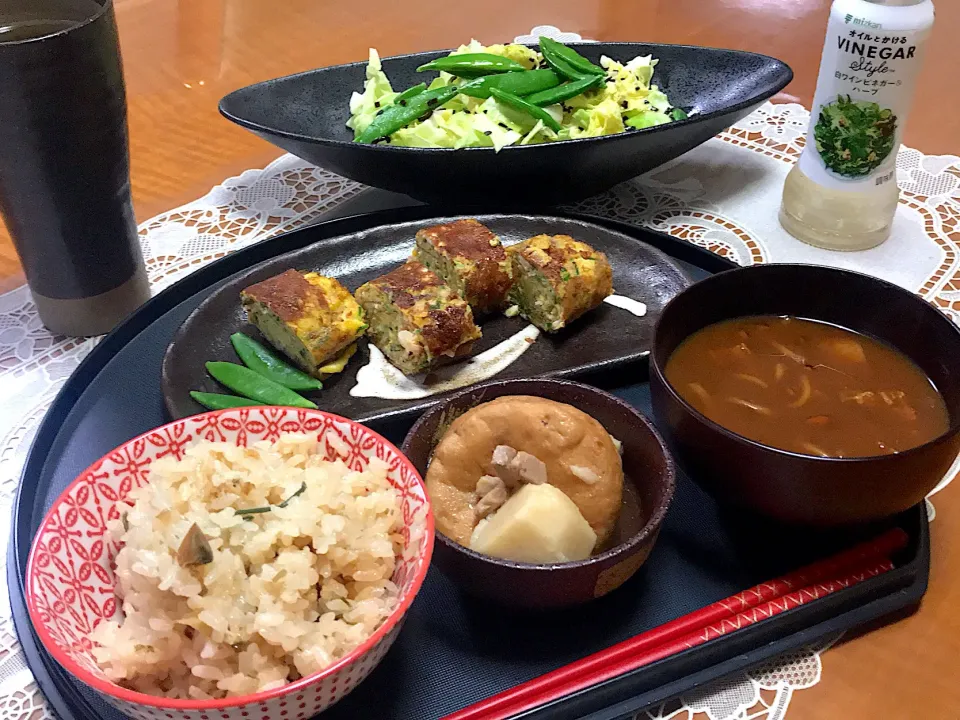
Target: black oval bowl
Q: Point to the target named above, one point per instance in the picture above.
(786, 486)
(649, 482)
(306, 113)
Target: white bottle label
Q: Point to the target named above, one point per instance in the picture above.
(870, 59)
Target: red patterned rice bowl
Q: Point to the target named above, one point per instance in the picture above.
(294, 606)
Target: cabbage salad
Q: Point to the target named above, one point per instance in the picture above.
(626, 100)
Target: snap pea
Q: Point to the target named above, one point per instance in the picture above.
(565, 91)
(518, 83)
(263, 362)
(394, 117)
(245, 381)
(559, 51)
(520, 104)
(409, 93)
(472, 64)
(679, 114)
(216, 401)
(564, 68)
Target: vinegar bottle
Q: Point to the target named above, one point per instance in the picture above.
(842, 194)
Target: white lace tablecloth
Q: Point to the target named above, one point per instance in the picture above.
(723, 195)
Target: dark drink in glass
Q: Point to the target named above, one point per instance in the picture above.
(64, 163)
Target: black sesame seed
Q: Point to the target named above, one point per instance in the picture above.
(376, 104)
(625, 104)
(505, 127)
(488, 132)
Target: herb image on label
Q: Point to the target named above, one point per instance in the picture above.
(854, 136)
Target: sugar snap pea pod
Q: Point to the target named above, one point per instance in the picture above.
(679, 114)
(245, 381)
(565, 69)
(263, 362)
(394, 117)
(549, 47)
(563, 92)
(216, 401)
(410, 92)
(518, 83)
(473, 64)
(520, 104)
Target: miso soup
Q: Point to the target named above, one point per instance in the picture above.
(808, 387)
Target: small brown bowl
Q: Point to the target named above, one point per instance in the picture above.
(783, 485)
(649, 482)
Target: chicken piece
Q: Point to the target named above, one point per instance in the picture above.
(492, 494)
(502, 455)
(529, 468)
(517, 468)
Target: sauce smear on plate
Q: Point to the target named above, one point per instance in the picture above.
(808, 387)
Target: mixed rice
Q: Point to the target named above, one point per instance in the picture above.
(259, 599)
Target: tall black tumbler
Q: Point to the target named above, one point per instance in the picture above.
(65, 164)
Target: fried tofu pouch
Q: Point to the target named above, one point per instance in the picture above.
(310, 318)
(556, 279)
(469, 258)
(564, 438)
(415, 319)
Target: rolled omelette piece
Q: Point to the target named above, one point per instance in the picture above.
(415, 319)
(308, 317)
(469, 258)
(556, 279)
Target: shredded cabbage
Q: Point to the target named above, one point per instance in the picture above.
(627, 100)
(377, 93)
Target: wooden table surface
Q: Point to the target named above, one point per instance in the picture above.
(181, 56)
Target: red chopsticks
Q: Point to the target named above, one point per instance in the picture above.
(746, 608)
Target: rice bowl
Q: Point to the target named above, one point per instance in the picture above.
(318, 542)
(285, 593)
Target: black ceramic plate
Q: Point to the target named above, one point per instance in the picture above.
(305, 115)
(604, 338)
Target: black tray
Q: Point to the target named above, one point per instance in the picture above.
(454, 651)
